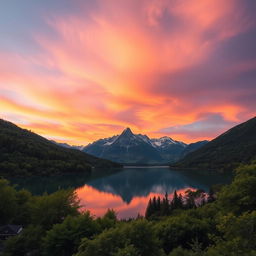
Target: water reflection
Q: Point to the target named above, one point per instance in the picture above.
(128, 190)
(97, 202)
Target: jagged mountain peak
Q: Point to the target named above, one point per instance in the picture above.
(127, 132)
(137, 148)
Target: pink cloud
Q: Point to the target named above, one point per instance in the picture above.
(144, 64)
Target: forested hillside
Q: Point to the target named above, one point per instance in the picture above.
(25, 153)
(237, 145)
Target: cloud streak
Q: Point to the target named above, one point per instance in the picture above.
(186, 68)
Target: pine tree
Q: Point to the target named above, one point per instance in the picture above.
(190, 199)
(181, 204)
(165, 209)
(177, 201)
(149, 210)
(154, 203)
(158, 204)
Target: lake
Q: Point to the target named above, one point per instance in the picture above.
(127, 190)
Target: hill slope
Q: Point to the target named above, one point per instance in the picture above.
(237, 145)
(25, 153)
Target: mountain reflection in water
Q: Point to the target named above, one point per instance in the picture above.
(128, 190)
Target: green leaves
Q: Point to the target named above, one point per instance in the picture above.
(63, 239)
(8, 203)
(181, 230)
(239, 196)
(134, 238)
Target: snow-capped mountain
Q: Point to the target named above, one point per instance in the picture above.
(130, 148)
(165, 142)
(125, 148)
(169, 149)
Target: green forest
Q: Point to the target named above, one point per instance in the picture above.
(24, 153)
(227, 151)
(54, 225)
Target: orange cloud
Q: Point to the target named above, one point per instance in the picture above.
(147, 65)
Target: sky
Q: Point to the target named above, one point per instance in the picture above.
(79, 70)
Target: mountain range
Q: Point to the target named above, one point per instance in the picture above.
(23, 152)
(130, 148)
(232, 148)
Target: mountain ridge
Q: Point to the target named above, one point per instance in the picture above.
(130, 148)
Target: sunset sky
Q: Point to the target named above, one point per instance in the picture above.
(80, 70)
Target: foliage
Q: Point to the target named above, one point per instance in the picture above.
(8, 204)
(224, 227)
(20, 207)
(108, 221)
(239, 196)
(63, 239)
(128, 250)
(137, 237)
(48, 210)
(181, 230)
(28, 242)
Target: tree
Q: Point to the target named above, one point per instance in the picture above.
(158, 204)
(108, 221)
(190, 199)
(177, 202)
(128, 250)
(137, 236)
(239, 196)
(23, 216)
(165, 208)
(48, 210)
(149, 210)
(63, 239)
(8, 203)
(27, 243)
(182, 230)
(238, 235)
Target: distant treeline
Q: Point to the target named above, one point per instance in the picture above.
(192, 199)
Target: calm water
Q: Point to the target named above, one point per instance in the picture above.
(127, 190)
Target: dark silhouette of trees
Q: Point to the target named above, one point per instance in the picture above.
(164, 207)
(177, 201)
